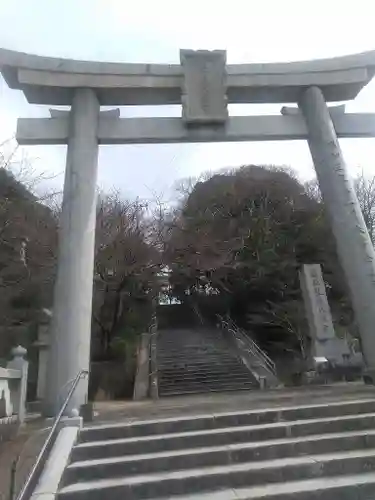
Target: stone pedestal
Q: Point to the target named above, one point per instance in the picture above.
(71, 322)
(354, 246)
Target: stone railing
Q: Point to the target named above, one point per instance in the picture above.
(13, 387)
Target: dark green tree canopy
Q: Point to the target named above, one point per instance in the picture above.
(239, 238)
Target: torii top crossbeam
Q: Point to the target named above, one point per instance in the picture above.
(47, 80)
(203, 84)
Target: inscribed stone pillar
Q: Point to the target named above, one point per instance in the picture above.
(354, 246)
(316, 302)
(324, 342)
(71, 321)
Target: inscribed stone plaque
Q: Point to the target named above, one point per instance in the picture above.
(204, 87)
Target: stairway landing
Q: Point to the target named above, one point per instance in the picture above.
(198, 404)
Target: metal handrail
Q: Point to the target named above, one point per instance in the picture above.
(248, 340)
(250, 343)
(249, 347)
(34, 474)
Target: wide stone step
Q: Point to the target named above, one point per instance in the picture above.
(206, 379)
(208, 385)
(203, 376)
(215, 478)
(181, 375)
(225, 420)
(191, 337)
(204, 368)
(210, 381)
(195, 367)
(220, 378)
(196, 388)
(197, 361)
(353, 487)
(208, 389)
(175, 348)
(196, 376)
(196, 355)
(199, 366)
(217, 455)
(221, 436)
(204, 347)
(187, 334)
(211, 343)
(191, 341)
(199, 353)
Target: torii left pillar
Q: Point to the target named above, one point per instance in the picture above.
(71, 323)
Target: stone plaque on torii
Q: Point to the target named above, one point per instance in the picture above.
(204, 85)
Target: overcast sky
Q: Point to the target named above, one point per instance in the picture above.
(154, 31)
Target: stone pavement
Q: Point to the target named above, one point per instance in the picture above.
(27, 445)
(126, 411)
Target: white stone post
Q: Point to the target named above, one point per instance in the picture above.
(354, 246)
(19, 390)
(71, 321)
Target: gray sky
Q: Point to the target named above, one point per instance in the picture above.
(154, 31)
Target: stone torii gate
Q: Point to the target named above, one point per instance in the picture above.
(204, 85)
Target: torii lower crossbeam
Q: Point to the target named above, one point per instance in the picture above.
(172, 130)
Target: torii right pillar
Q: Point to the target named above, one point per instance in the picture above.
(354, 246)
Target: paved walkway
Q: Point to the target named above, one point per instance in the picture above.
(216, 403)
(26, 446)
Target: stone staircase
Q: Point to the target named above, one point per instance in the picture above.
(199, 360)
(325, 452)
